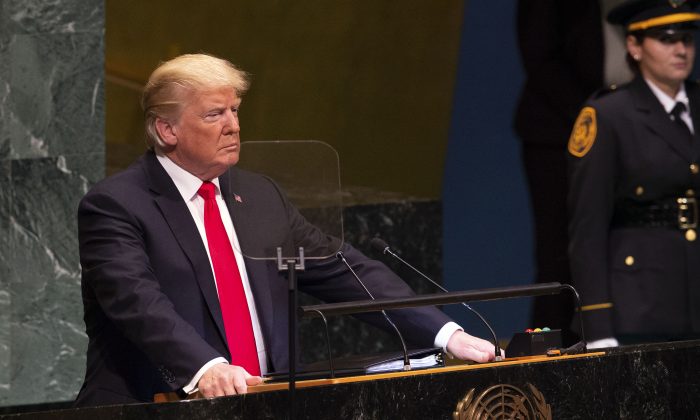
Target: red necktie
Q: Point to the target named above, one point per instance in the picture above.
(234, 307)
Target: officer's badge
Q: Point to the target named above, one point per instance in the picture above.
(583, 136)
(676, 3)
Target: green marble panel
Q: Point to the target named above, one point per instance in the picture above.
(55, 97)
(5, 302)
(51, 151)
(51, 16)
(4, 94)
(48, 339)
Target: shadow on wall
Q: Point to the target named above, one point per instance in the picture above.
(486, 215)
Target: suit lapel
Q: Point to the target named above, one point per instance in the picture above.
(657, 120)
(246, 232)
(179, 218)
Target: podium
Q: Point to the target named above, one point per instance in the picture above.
(646, 381)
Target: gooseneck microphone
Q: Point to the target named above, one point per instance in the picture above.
(381, 246)
(406, 361)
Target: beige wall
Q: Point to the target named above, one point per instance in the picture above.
(372, 78)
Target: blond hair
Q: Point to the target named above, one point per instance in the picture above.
(168, 86)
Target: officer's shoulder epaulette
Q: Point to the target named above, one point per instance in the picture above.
(604, 91)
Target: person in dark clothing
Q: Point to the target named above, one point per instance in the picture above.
(561, 45)
(634, 158)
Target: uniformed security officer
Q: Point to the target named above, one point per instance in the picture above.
(634, 162)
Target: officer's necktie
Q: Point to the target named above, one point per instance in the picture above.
(676, 117)
(234, 306)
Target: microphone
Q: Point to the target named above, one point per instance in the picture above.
(406, 361)
(381, 246)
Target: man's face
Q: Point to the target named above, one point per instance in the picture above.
(667, 60)
(207, 133)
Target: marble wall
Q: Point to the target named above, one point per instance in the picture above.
(51, 151)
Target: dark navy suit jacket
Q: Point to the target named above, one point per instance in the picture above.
(151, 309)
(639, 157)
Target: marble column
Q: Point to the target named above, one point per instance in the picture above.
(51, 151)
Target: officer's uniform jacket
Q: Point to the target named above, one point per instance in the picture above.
(638, 280)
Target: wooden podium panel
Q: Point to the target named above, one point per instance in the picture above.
(639, 382)
(267, 387)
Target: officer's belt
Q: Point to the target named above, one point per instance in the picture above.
(673, 212)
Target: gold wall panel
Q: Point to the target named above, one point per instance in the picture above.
(374, 79)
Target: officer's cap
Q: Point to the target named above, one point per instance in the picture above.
(668, 16)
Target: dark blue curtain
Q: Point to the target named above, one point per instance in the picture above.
(487, 222)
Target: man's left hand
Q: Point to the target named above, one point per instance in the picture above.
(467, 347)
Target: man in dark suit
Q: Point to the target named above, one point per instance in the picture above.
(163, 245)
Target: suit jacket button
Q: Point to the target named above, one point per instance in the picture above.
(694, 168)
(639, 190)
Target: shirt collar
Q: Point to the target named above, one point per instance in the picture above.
(186, 183)
(666, 101)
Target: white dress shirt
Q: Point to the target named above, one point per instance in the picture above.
(668, 102)
(188, 185)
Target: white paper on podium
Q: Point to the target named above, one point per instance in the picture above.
(394, 365)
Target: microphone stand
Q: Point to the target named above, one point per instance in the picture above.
(581, 345)
(406, 361)
(496, 293)
(385, 249)
(292, 266)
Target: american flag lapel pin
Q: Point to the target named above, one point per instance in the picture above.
(238, 198)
